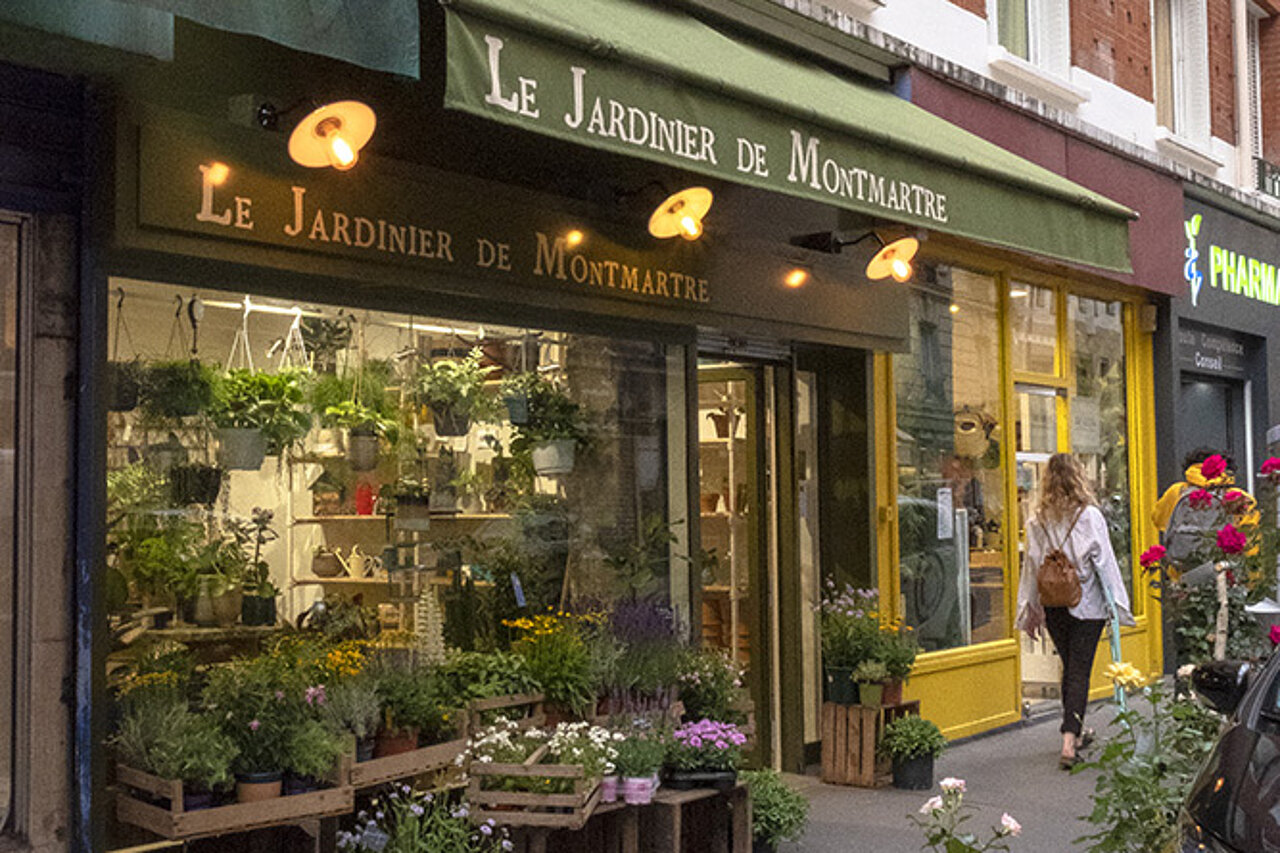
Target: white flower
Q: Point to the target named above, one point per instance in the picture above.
(1185, 670)
(951, 783)
(931, 805)
(1009, 825)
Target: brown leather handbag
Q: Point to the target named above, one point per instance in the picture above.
(1057, 579)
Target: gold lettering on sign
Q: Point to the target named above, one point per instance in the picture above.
(553, 259)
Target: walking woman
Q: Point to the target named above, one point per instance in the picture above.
(1068, 532)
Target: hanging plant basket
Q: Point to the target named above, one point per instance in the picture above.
(195, 484)
(123, 385)
(450, 422)
(241, 449)
(517, 408)
(413, 512)
(362, 451)
(554, 457)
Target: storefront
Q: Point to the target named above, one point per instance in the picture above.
(1220, 339)
(735, 410)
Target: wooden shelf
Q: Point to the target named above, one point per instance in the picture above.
(343, 580)
(435, 517)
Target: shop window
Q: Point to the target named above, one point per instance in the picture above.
(1033, 317)
(1181, 53)
(1037, 31)
(432, 481)
(949, 452)
(1099, 422)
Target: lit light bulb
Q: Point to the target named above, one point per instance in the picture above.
(900, 269)
(690, 228)
(217, 173)
(574, 238)
(341, 155)
(796, 277)
(955, 309)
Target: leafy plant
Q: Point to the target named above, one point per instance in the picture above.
(711, 686)
(870, 672)
(258, 532)
(325, 338)
(553, 414)
(166, 739)
(338, 618)
(556, 650)
(639, 755)
(705, 745)
(361, 419)
(911, 737)
(413, 699)
(481, 675)
(160, 559)
(1145, 771)
(778, 811)
(271, 402)
(942, 818)
(258, 702)
(353, 705)
(173, 389)
(408, 821)
(134, 489)
(312, 750)
(457, 385)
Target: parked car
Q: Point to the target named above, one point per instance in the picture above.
(1234, 804)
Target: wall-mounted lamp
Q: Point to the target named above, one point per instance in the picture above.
(332, 135)
(796, 277)
(892, 260)
(574, 237)
(681, 214)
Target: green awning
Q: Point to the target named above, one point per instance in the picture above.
(649, 81)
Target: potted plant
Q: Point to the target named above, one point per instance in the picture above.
(410, 500)
(163, 737)
(352, 705)
(704, 754)
(405, 820)
(555, 428)
(850, 632)
(312, 749)
(325, 338)
(193, 483)
(559, 658)
(897, 650)
(778, 811)
(257, 705)
(176, 389)
(259, 604)
(365, 428)
(454, 390)
(124, 385)
(410, 712)
(870, 676)
(257, 413)
(639, 757)
(912, 742)
(711, 687)
(161, 561)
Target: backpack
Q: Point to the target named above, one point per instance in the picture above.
(1057, 579)
(1184, 536)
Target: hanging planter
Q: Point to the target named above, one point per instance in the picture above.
(554, 457)
(517, 407)
(241, 449)
(258, 610)
(195, 484)
(450, 422)
(362, 450)
(124, 384)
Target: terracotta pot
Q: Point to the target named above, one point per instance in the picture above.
(395, 742)
(892, 692)
(256, 787)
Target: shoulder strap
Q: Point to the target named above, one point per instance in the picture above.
(1062, 542)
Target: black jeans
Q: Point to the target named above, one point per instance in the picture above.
(1076, 641)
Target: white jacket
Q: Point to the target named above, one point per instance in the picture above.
(1089, 550)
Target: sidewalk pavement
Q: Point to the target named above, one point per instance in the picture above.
(1014, 771)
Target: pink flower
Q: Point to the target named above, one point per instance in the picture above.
(1151, 556)
(253, 725)
(1230, 540)
(1009, 825)
(315, 695)
(951, 783)
(1200, 499)
(695, 741)
(1213, 467)
(1271, 467)
(1275, 635)
(1234, 500)
(931, 805)
(279, 695)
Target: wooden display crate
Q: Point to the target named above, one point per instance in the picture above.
(525, 709)
(850, 735)
(527, 808)
(175, 823)
(377, 771)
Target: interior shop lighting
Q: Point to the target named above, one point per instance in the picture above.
(1019, 292)
(437, 330)
(332, 135)
(681, 214)
(891, 260)
(260, 308)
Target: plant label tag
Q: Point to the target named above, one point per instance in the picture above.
(374, 839)
(517, 589)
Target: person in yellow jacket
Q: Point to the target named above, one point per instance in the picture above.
(1239, 504)
(1163, 510)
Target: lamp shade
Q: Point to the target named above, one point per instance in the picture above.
(681, 214)
(332, 135)
(894, 260)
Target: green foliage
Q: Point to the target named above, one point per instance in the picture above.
(325, 338)
(778, 811)
(639, 755)
(343, 619)
(166, 739)
(353, 705)
(458, 385)
(416, 699)
(1194, 612)
(553, 414)
(174, 389)
(481, 675)
(870, 672)
(711, 686)
(134, 489)
(557, 652)
(407, 821)
(258, 702)
(639, 562)
(1145, 771)
(944, 818)
(257, 399)
(361, 419)
(160, 557)
(312, 749)
(910, 737)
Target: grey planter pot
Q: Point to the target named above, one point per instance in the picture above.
(241, 449)
(362, 452)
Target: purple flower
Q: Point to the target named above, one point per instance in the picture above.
(279, 695)
(417, 810)
(486, 829)
(253, 725)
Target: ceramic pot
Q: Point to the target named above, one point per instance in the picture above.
(913, 774)
(840, 687)
(364, 749)
(554, 457)
(327, 564)
(210, 610)
(362, 451)
(395, 742)
(637, 790)
(687, 780)
(195, 484)
(609, 789)
(870, 695)
(241, 449)
(450, 422)
(517, 408)
(892, 692)
(256, 787)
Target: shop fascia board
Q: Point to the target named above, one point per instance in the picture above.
(768, 21)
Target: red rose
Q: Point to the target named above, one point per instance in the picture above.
(1151, 556)
(1200, 499)
(1275, 635)
(1213, 467)
(1230, 540)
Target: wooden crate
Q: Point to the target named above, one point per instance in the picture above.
(377, 771)
(850, 734)
(527, 808)
(175, 823)
(524, 709)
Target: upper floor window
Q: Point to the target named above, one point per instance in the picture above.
(1181, 50)
(1038, 31)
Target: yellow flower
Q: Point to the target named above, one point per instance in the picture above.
(1126, 675)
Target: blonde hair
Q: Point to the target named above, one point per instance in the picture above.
(1064, 489)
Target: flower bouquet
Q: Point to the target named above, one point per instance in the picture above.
(704, 754)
